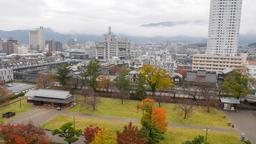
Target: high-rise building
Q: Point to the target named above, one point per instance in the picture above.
(1, 45)
(37, 40)
(52, 45)
(112, 46)
(224, 26)
(223, 35)
(10, 46)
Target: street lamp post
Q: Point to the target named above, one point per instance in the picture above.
(74, 121)
(206, 134)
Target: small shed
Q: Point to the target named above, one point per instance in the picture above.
(229, 103)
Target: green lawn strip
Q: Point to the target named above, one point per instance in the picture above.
(113, 107)
(178, 135)
(173, 135)
(15, 107)
(81, 123)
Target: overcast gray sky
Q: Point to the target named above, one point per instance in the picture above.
(132, 17)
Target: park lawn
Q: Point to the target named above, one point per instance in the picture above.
(179, 135)
(173, 135)
(15, 107)
(81, 123)
(113, 107)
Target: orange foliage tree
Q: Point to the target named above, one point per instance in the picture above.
(155, 114)
(159, 117)
(23, 134)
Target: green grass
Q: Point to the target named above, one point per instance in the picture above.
(82, 123)
(113, 107)
(15, 107)
(178, 135)
(173, 135)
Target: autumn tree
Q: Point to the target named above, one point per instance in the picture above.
(89, 134)
(185, 107)
(159, 117)
(4, 92)
(63, 74)
(207, 92)
(156, 78)
(44, 80)
(23, 134)
(68, 132)
(90, 76)
(236, 84)
(153, 124)
(105, 136)
(130, 135)
(103, 82)
(140, 87)
(123, 84)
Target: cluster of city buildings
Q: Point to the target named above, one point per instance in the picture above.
(219, 54)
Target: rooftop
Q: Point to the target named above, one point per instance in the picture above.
(46, 93)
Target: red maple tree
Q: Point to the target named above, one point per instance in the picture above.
(130, 135)
(89, 134)
(23, 134)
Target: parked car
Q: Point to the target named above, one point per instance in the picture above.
(58, 108)
(8, 115)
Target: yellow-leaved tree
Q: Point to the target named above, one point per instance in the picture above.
(157, 78)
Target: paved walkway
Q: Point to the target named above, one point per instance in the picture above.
(245, 121)
(39, 116)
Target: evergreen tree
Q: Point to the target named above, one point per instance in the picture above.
(91, 73)
(68, 132)
(151, 132)
(63, 74)
(140, 87)
(123, 84)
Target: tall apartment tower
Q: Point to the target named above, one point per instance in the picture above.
(223, 38)
(1, 45)
(10, 46)
(112, 46)
(224, 26)
(37, 40)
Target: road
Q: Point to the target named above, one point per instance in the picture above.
(245, 121)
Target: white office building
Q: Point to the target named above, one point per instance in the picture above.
(111, 47)
(6, 75)
(223, 38)
(224, 26)
(37, 40)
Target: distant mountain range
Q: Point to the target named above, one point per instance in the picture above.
(22, 36)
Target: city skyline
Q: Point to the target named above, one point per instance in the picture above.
(143, 18)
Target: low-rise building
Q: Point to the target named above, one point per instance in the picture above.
(52, 97)
(6, 75)
(202, 77)
(217, 63)
(251, 66)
